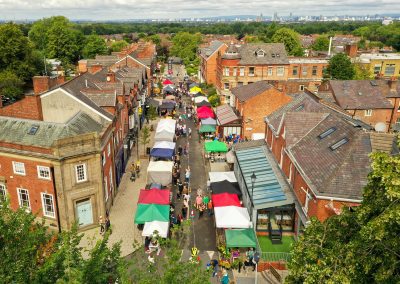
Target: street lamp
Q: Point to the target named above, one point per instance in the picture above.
(253, 181)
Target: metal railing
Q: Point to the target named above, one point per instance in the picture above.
(275, 256)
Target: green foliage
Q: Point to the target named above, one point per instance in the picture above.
(30, 253)
(321, 43)
(119, 45)
(340, 68)
(290, 39)
(10, 85)
(94, 45)
(151, 113)
(360, 245)
(184, 45)
(214, 100)
(362, 72)
(145, 136)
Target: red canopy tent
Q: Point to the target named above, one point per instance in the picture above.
(154, 196)
(225, 199)
(205, 112)
(168, 82)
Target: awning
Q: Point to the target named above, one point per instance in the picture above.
(240, 238)
(203, 103)
(162, 153)
(232, 217)
(200, 99)
(193, 85)
(160, 172)
(230, 157)
(225, 114)
(225, 186)
(164, 145)
(151, 212)
(225, 199)
(167, 104)
(168, 82)
(169, 88)
(161, 228)
(220, 176)
(216, 146)
(154, 196)
(207, 128)
(209, 121)
(195, 90)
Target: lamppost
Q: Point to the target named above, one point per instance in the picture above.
(253, 181)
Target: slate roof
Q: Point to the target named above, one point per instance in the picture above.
(15, 130)
(274, 53)
(246, 92)
(103, 99)
(207, 51)
(337, 173)
(362, 94)
(103, 60)
(225, 114)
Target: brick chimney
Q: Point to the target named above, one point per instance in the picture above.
(94, 68)
(351, 50)
(393, 84)
(110, 76)
(42, 84)
(82, 66)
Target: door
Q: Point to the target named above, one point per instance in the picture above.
(84, 212)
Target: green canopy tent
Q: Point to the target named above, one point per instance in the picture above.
(151, 212)
(216, 146)
(207, 128)
(240, 238)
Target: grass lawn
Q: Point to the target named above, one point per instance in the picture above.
(267, 246)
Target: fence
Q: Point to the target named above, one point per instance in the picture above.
(275, 256)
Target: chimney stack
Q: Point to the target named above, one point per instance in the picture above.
(110, 77)
(393, 84)
(41, 84)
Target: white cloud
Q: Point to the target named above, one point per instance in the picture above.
(139, 9)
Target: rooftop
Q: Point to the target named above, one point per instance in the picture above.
(259, 53)
(225, 114)
(246, 92)
(214, 46)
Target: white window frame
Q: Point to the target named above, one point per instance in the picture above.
(377, 68)
(234, 71)
(226, 71)
(368, 112)
(304, 71)
(301, 87)
(270, 71)
(226, 83)
(3, 192)
(19, 193)
(19, 171)
(280, 71)
(105, 188)
(108, 149)
(281, 161)
(45, 212)
(43, 169)
(84, 173)
(241, 71)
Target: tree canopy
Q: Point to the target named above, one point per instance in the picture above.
(290, 39)
(362, 244)
(340, 68)
(184, 45)
(94, 45)
(321, 43)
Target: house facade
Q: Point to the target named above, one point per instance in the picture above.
(208, 61)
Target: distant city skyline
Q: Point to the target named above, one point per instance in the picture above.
(105, 10)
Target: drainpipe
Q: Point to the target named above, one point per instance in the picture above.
(55, 199)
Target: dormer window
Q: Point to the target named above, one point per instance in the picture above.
(260, 53)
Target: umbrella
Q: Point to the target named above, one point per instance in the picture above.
(161, 227)
(207, 128)
(203, 103)
(154, 196)
(225, 186)
(195, 90)
(151, 212)
(215, 146)
(168, 82)
(169, 88)
(240, 238)
(209, 121)
(193, 85)
(225, 199)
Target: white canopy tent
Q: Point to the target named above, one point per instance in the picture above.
(164, 133)
(160, 172)
(200, 99)
(160, 227)
(168, 122)
(164, 145)
(232, 217)
(220, 176)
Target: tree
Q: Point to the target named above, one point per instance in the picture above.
(340, 68)
(362, 72)
(361, 245)
(119, 45)
(94, 45)
(214, 100)
(321, 43)
(290, 39)
(184, 45)
(145, 137)
(30, 253)
(10, 85)
(151, 113)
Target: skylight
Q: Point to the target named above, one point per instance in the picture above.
(327, 133)
(33, 129)
(300, 107)
(338, 144)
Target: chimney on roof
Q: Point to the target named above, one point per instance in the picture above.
(393, 84)
(86, 84)
(110, 77)
(42, 84)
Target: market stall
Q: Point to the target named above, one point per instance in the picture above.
(207, 128)
(150, 229)
(154, 196)
(163, 149)
(194, 90)
(225, 199)
(200, 99)
(160, 172)
(151, 212)
(215, 146)
(240, 238)
(167, 82)
(205, 112)
(203, 103)
(220, 176)
(232, 217)
(164, 134)
(208, 121)
(225, 186)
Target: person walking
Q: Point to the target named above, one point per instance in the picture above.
(180, 189)
(108, 224)
(187, 175)
(225, 277)
(210, 208)
(190, 132)
(180, 150)
(202, 207)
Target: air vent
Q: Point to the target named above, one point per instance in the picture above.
(33, 129)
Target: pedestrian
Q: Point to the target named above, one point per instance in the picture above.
(199, 201)
(184, 211)
(225, 277)
(190, 132)
(102, 225)
(210, 208)
(187, 174)
(108, 223)
(185, 150)
(147, 241)
(206, 199)
(202, 207)
(180, 189)
(180, 150)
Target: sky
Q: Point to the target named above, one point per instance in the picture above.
(161, 9)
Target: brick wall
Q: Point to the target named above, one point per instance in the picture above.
(29, 107)
(211, 66)
(378, 115)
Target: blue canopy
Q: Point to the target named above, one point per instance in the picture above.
(162, 152)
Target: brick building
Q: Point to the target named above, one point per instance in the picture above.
(384, 65)
(208, 61)
(253, 102)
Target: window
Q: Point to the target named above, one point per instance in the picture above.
(3, 192)
(338, 144)
(226, 86)
(226, 71)
(251, 71)
(239, 84)
(105, 188)
(103, 158)
(301, 88)
(270, 71)
(234, 71)
(398, 121)
(377, 69)
(368, 112)
(326, 133)
(389, 69)
(295, 70)
(280, 71)
(304, 71)
(19, 168)
(241, 71)
(108, 149)
(23, 198)
(43, 172)
(260, 53)
(314, 70)
(80, 171)
(48, 205)
(33, 129)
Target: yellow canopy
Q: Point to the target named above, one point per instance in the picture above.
(195, 90)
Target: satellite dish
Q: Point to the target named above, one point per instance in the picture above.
(380, 127)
